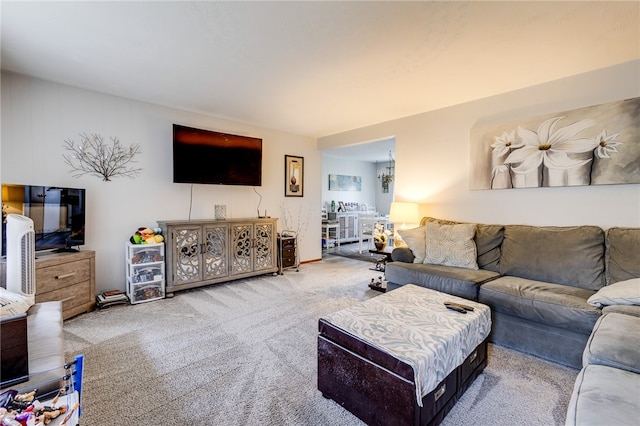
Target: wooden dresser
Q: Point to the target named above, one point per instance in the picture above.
(69, 277)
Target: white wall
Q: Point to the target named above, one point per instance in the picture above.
(37, 116)
(371, 193)
(432, 156)
(341, 166)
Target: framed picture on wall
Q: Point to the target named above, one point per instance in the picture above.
(293, 176)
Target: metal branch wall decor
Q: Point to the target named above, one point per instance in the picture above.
(596, 145)
(94, 157)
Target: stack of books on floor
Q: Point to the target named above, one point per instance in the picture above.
(111, 298)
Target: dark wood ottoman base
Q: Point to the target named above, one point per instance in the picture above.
(378, 388)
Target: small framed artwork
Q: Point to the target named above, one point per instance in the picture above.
(293, 176)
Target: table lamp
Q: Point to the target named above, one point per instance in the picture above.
(402, 213)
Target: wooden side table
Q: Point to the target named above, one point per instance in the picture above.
(287, 252)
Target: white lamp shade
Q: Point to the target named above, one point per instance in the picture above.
(403, 212)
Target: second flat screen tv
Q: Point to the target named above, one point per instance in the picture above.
(204, 156)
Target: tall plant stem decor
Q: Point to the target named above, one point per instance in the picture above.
(93, 157)
(298, 224)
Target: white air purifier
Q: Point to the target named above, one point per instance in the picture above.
(21, 256)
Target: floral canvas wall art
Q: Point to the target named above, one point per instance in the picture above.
(595, 145)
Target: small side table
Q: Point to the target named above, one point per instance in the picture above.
(288, 251)
(380, 264)
(380, 267)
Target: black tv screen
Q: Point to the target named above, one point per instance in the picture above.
(58, 214)
(204, 156)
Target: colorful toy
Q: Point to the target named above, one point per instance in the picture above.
(147, 236)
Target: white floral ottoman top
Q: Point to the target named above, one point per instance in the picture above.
(412, 324)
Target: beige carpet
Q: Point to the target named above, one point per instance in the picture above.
(244, 353)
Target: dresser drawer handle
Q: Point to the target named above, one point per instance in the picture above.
(473, 356)
(63, 276)
(68, 298)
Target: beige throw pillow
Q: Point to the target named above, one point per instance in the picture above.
(415, 240)
(451, 245)
(620, 293)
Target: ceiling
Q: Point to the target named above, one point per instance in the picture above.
(371, 152)
(313, 68)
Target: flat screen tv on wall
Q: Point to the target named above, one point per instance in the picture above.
(204, 156)
(58, 214)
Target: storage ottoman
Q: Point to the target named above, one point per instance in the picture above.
(402, 358)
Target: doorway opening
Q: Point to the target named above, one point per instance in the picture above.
(357, 180)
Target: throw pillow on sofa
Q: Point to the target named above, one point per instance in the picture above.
(415, 239)
(488, 240)
(620, 293)
(451, 245)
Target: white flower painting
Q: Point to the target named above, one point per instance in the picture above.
(595, 145)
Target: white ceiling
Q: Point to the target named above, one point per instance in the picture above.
(314, 68)
(372, 152)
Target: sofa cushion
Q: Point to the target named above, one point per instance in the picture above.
(451, 245)
(623, 254)
(415, 238)
(460, 282)
(622, 309)
(544, 303)
(561, 255)
(614, 342)
(488, 240)
(604, 395)
(620, 293)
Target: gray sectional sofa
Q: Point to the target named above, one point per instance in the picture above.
(537, 281)
(567, 294)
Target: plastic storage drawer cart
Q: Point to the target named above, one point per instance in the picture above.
(145, 272)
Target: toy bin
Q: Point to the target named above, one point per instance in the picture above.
(145, 272)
